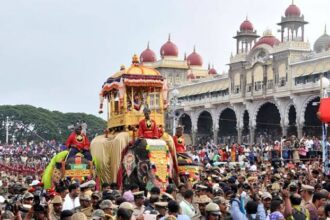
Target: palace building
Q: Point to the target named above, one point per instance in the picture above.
(271, 90)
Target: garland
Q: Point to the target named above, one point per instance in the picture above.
(153, 164)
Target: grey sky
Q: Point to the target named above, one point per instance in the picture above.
(57, 53)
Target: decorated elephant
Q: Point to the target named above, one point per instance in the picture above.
(147, 162)
(119, 158)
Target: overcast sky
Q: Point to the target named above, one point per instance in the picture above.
(57, 53)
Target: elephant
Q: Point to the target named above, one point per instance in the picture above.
(122, 159)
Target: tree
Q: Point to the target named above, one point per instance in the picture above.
(27, 121)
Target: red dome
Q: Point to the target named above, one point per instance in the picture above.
(292, 10)
(169, 49)
(194, 59)
(246, 26)
(212, 71)
(148, 55)
(268, 39)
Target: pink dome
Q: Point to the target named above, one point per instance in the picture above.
(169, 49)
(148, 55)
(246, 26)
(194, 59)
(268, 39)
(212, 71)
(292, 10)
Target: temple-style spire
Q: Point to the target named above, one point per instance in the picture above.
(325, 29)
(169, 37)
(148, 45)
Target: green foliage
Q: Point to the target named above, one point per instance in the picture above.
(50, 125)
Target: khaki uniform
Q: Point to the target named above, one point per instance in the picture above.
(87, 211)
(54, 216)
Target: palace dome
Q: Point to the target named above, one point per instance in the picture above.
(169, 49)
(148, 56)
(246, 26)
(268, 39)
(194, 59)
(292, 10)
(322, 43)
(212, 71)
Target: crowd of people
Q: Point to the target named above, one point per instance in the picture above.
(262, 181)
(27, 159)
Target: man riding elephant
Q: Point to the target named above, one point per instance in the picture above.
(147, 126)
(179, 140)
(78, 142)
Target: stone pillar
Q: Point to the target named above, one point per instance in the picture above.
(284, 130)
(215, 136)
(252, 134)
(239, 135)
(193, 135)
(300, 131)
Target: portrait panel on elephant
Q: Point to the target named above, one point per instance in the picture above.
(129, 162)
(143, 170)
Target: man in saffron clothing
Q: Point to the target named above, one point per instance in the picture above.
(147, 126)
(78, 142)
(179, 140)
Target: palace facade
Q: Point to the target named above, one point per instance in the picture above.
(272, 87)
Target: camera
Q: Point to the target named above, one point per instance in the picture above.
(38, 206)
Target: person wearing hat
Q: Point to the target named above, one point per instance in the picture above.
(125, 211)
(306, 193)
(107, 206)
(150, 204)
(147, 126)
(202, 201)
(57, 208)
(200, 190)
(264, 206)
(88, 187)
(78, 216)
(165, 197)
(161, 208)
(139, 207)
(78, 142)
(223, 205)
(98, 214)
(86, 205)
(179, 140)
(212, 211)
(28, 199)
(96, 199)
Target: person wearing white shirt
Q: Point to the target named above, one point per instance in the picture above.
(71, 200)
(186, 205)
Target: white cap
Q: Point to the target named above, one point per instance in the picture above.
(34, 183)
